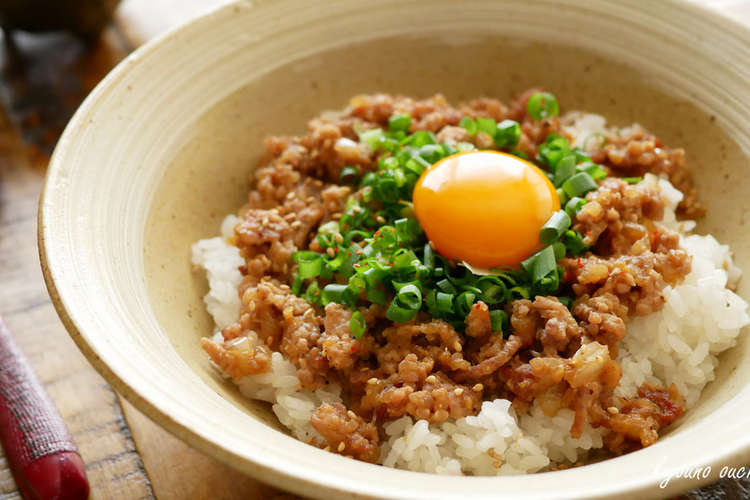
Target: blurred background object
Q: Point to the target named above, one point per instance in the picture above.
(84, 18)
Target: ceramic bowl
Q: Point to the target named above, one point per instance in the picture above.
(164, 148)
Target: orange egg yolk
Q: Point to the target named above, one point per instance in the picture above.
(484, 207)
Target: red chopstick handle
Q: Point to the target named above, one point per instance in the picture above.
(41, 454)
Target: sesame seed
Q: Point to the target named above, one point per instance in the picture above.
(331, 252)
(291, 195)
(458, 391)
(351, 414)
(457, 346)
(284, 286)
(613, 410)
(296, 224)
(290, 216)
(341, 446)
(338, 238)
(372, 381)
(327, 448)
(380, 219)
(310, 199)
(477, 388)
(336, 215)
(431, 379)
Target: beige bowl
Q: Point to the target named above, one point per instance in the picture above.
(164, 146)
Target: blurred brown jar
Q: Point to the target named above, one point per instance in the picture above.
(84, 18)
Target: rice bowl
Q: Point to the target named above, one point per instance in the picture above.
(176, 183)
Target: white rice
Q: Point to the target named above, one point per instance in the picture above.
(676, 345)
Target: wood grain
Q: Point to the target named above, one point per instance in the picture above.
(178, 471)
(35, 104)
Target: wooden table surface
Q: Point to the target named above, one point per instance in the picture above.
(42, 80)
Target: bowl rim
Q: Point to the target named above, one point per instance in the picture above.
(263, 469)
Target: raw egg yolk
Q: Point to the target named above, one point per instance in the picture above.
(484, 207)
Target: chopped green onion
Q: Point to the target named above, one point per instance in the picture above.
(632, 180)
(446, 286)
(554, 227)
(310, 263)
(429, 257)
(543, 264)
(498, 320)
(422, 137)
(542, 105)
(399, 123)
(357, 325)
(574, 243)
(464, 147)
(372, 138)
(492, 290)
(580, 184)
(330, 227)
(312, 293)
(559, 250)
(464, 302)
(349, 175)
(574, 205)
(487, 125)
(296, 283)
(444, 302)
(469, 124)
(405, 304)
(333, 293)
(507, 134)
(595, 171)
(520, 154)
(564, 169)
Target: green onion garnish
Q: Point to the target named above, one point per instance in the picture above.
(357, 325)
(405, 304)
(399, 123)
(574, 205)
(499, 320)
(310, 263)
(578, 185)
(507, 134)
(542, 105)
(557, 224)
(469, 124)
(377, 253)
(564, 169)
(349, 175)
(632, 180)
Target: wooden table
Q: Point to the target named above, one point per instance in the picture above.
(127, 456)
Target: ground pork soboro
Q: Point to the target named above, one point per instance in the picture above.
(561, 357)
(632, 152)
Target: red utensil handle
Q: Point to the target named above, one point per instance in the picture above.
(41, 454)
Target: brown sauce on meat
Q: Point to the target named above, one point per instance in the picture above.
(425, 368)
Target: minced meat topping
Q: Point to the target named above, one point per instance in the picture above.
(559, 349)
